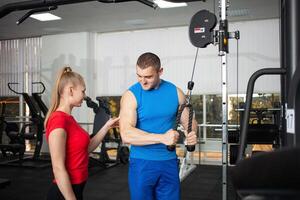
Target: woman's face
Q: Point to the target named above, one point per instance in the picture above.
(78, 94)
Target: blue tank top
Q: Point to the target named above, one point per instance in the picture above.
(156, 113)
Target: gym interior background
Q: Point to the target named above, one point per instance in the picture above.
(102, 43)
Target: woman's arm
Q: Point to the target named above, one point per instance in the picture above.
(57, 146)
(97, 139)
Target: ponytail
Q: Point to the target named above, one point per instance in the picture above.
(64, 76)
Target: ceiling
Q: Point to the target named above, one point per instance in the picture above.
(101, 17)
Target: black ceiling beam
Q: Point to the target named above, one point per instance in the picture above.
(181, 1)
(33, 11)
(26, 5)
(146, 2)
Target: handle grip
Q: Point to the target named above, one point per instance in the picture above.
(178, 115)
(190, 148)
(171, 147)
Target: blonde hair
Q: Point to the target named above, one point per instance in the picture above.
(64, 76)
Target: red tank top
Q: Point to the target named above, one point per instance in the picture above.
(77, 143)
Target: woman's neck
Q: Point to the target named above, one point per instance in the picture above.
(65, 108)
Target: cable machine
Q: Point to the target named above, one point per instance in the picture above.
(202, 33)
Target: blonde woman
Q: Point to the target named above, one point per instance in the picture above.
(69, 144)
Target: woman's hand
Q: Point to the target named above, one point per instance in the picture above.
(112, 123)
(97, 139)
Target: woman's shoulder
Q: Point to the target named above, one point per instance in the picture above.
(59, 115)
(58, 119)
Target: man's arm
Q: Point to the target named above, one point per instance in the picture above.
(184, 120)
(135, 136)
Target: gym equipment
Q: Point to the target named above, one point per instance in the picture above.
(15, 145)
(289, 57)
(186, 162)
(271, 175)
(220, 37)
(187, 104)
(102, 114)
(38, 98)
(275, 175)
(4, 183)
(201, 28)
(36, 131)
(185, 167)
(248, 103)
(258, 132)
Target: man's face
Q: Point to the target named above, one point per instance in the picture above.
(149, 77)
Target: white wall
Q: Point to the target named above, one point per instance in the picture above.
(258, 48)
(107, 61)
(75, 50)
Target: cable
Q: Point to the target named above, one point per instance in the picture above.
(237, 80)
(191, 83)
(214, 7)
(190, 148)
(194, 64)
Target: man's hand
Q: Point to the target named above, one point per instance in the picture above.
(191, 138)
(170, 137)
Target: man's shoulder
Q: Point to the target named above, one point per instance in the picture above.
(128, 98)
(135, 86)
(168, 83)
(128, 95)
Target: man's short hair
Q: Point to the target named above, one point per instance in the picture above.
(148, 59)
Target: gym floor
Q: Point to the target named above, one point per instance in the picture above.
(204, 183)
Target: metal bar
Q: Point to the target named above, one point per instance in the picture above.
(26, 5)
(250, 88)
(217, 125)
(223, 50)
(224, 126)
(204, 117)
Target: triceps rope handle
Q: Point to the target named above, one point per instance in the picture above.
(190, 148)
(173, 147)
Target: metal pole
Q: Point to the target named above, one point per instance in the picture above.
(224, 127)
(291, 51)
(223, 50)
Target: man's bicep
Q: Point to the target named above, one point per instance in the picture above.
(185, 114)
(181, 96)
(128, 115)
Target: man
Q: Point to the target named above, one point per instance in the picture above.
(148, 113)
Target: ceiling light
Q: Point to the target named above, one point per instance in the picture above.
(238, 12)
(166, 4)
(45, 17)
(136, 22)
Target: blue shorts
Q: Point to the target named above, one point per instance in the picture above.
(154, 180)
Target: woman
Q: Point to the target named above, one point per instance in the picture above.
(69, 144)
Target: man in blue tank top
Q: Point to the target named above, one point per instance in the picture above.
(148, 113)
